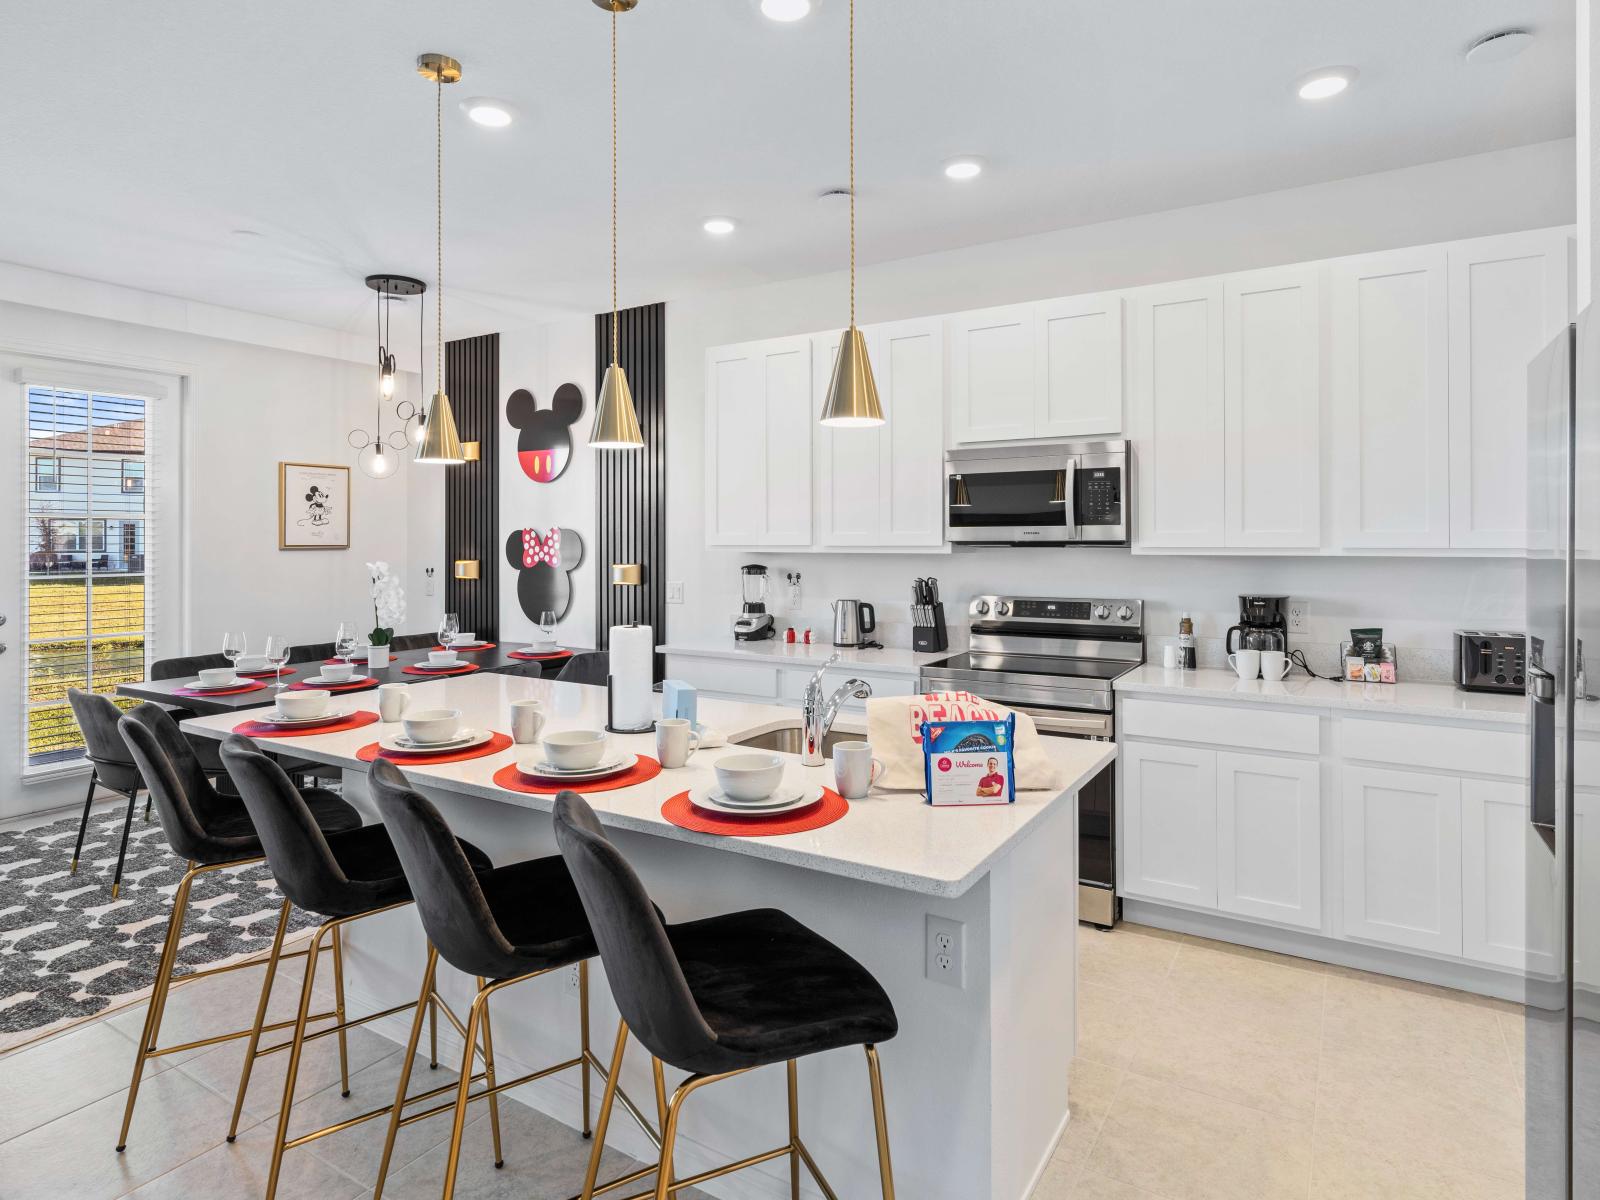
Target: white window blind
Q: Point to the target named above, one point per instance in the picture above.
(91, 556)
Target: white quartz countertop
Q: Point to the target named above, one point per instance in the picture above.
(889, 838)
(777, 652)
(1436, 700)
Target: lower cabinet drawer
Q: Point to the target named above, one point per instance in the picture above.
(722, 675)
(1434, 747)
(1247, 727)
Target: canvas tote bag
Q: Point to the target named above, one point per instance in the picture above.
(894, 727)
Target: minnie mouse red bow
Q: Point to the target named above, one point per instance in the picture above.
(537, 549)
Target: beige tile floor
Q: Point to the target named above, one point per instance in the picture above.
(1213, 1072)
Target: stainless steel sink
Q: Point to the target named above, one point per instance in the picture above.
(790, 740)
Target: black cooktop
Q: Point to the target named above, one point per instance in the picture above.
(1029, 664)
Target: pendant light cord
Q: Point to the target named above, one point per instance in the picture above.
(852, 164)
(438, 227)
(614, 334)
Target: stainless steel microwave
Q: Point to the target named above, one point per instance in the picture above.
(1069, 494)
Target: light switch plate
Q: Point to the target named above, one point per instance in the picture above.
(674, 591)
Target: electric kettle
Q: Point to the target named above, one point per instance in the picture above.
(853, 620)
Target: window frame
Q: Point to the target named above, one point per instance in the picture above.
(34, 484)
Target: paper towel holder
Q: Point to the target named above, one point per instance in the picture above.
(611, 725)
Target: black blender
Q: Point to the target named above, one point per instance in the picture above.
(754, 622)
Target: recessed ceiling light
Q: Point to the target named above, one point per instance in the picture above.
(1326, 82)
(963, 168)
(1499, 46)
(721, 226)
(488, 112)
(786, 10)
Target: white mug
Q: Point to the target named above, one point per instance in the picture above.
(1274, 665)
(527, 721)
(675, 741)
(1246, 664)
(854, 769)
(392, 701)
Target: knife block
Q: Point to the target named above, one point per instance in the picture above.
(928, 632)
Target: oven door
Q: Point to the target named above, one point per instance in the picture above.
(1010, 501)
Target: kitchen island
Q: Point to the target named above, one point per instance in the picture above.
(977, 1078)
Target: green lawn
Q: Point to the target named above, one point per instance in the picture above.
(56, 610)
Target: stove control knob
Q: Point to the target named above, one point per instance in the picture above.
(1002, 608)
(981, 608)
(1125, 613)
(1102, 612)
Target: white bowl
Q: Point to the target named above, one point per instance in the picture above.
(441, 658)
(749, 777)
(218, 676)
(251, 662)
(464, 639)
(338, 672)
(574, 749)
(312, 702)
(428, 725)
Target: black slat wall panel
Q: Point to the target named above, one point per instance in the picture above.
(631, 485)
(472, 372)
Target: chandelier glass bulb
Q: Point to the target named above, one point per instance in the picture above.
(386, 385)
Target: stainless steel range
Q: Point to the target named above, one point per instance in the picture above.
(1057, 660)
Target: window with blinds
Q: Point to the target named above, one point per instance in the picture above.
(88, 549)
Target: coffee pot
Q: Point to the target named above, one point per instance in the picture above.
(1263, 625)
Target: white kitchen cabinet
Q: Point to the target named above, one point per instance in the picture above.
(1272, 410)
(1269, 838)
(1496, 887)
(1390, 400)
(1176, 409)
(758, 428)
(1078, 392)
(992, 374)
(1402, 858)
(885, 486)
(1508, 299)
(1169, 823)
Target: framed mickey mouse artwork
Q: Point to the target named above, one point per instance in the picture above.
(313, 507)
(544, 560)
(544, 435)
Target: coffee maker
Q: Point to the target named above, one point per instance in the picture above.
(1263, 624)
(754, 622)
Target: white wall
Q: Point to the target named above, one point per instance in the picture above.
(1419, 602)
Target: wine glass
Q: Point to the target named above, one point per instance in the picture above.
(233, 648)
(344, 641)
(277, 654)
(547, 627)
(449, 626)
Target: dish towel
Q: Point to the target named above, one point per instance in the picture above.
(894, 727)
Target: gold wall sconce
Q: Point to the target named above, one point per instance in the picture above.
(626, 574)
(469, 452)
(466, 568)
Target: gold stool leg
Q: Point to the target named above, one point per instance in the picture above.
(488, 1074)
(261, 1016)
(794, 1130)
(880, 1121)
(607, 1098)
(669, 1135)
(474, 1019)
(583, 1037)
(292, 1074)
(424, 1001)
(158, 999)
(338, 1010)
(433, 1034)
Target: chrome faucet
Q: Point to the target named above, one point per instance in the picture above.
(818, 714)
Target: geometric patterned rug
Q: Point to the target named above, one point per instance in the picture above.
(69, 951)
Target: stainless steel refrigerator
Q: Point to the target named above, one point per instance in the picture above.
(1562, 884)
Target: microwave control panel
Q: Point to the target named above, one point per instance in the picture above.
(1099, 496)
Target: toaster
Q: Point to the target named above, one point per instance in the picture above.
(1490, 661)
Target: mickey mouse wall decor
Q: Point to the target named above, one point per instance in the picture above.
(544, 560)
(544, 440)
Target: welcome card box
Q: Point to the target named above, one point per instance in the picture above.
(969, 762)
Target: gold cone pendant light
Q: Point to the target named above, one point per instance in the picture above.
(440, 441)
(853, 393)
(616, 423)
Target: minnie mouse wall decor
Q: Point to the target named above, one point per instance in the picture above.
(544, 561)
(544, 440)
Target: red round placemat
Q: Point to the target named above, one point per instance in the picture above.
(233, 691)
(260, 729)
(269, 673)
(682, 813)
(547, 656)
(336, 660)
(644, 768)
(463, 669)
(403, 759)
(467, 649)
(362, 686)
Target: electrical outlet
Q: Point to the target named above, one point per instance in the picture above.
(572, 979)
(427, 588)
(674, 591)
(946, 952)
(1299, 616)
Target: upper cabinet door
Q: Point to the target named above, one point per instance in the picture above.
(1391, 405)
(908, 359)
(992, 374)
(758, 424)
(1078, 392)
(1176, 414)
(849, 461)
(1273, 369)
(1508, 299)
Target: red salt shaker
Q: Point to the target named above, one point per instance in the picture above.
(788, 635)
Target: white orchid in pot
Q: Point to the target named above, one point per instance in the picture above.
(388, 603)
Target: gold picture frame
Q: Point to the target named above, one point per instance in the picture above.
(313, 506)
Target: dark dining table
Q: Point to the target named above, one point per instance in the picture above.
(165, 691)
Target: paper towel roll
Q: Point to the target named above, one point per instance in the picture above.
(632, 676)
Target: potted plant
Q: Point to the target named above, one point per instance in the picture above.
(388, 610)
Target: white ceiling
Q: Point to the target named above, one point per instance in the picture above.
(139, 137)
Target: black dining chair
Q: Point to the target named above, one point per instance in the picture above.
(414, 641)
(513, 923)
(590, 666)
(523, 670)
(113, 768)
(720, 996)
(211, 832)
(342, 877)
(189, 667)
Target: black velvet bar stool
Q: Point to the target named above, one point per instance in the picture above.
(212, 832)
(114, 768)
(721, 996)
(513, 923)
(342, 877)
(588, 666)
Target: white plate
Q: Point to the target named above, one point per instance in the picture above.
(319, 681)
(273, 717)
(466, 739)
(543, 647)
(197, 686)
(611, 766)
(785, 799)
(478, 645)
(428, 666)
